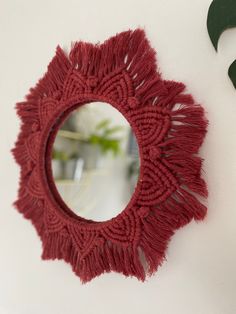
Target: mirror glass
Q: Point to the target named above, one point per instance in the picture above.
(95, 161)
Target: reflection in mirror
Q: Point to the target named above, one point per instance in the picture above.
(95, 161)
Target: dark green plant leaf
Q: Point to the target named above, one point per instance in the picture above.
(232, 73)
(221, 16)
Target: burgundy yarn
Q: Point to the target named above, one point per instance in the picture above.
(169, 127)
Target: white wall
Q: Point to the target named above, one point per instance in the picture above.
(199, 276)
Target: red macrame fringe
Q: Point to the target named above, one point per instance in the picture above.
(131, 52)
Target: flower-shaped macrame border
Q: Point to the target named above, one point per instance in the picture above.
(169, 127)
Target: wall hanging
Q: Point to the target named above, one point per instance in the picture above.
(169, 127)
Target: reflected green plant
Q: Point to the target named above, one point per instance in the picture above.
(59, 155)
(104, 137)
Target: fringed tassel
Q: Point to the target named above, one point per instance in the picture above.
(102, 258)
(109, 257)
(54, 78)
(180, 148)
(156, 233)
(128, 50)
(160, 224)
(32, 208)
(56, 246)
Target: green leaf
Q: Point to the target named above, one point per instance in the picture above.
(59, 155)
(94, 139)
(221, 16)
(103, 124)
(232, 73)
(113, 130)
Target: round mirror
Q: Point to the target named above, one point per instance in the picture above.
(95, 161)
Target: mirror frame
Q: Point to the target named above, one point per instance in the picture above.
(122, 72)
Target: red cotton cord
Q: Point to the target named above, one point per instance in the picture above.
(169, 127)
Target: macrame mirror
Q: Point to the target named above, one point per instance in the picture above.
(108, 155)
